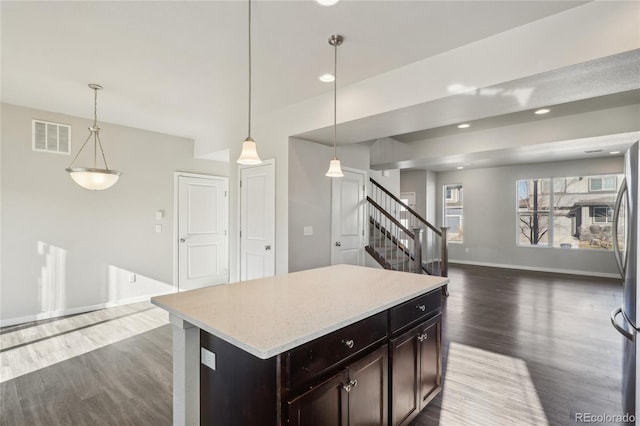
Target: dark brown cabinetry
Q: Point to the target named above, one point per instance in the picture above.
(416, 370)
(381, 370)
(415, 356)
(430, 360)
(357, 395)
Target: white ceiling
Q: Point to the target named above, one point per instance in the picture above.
(597, 85)
(180, 67)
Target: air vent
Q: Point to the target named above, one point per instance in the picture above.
(51, 137)
(593, 151)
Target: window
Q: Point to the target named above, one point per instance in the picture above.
(578, 213)
(602, 183)
(602, 214)
(533, 211)
(453, 217)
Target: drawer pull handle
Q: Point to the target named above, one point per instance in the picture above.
(421, 307)
(348, 343)
(423, 337)
(349, 386)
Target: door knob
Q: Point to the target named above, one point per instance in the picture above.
(182, 240)
(267, 247)
(338, 243)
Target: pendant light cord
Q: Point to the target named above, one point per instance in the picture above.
(93, 131)
(95, 108)
(335, 96)
(249, 131)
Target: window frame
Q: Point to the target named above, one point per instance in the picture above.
(608, 216)
(602, 181)
(551, 212)
(452, 199)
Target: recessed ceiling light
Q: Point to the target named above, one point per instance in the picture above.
(542, 111)
(327, 78)
(463, 125)
(459, 167)
(614, 152)
(327, 2)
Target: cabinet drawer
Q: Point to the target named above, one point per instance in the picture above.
(414, 310)
(305, 363)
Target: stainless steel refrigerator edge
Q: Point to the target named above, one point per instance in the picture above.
(625, 318)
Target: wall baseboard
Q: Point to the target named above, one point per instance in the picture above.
(73, 311)
(537, 269)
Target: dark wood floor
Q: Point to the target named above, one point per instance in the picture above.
(557, 324)
(554, 327)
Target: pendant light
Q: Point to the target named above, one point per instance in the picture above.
(93, 178)
(334, 165)
(249, 154)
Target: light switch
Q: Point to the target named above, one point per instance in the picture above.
(159, 214)
(158, 228)
(208, 358)
(308, 230)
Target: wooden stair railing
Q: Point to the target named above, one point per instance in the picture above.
(400, 226)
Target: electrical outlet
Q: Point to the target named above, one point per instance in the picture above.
(158, 228)
(132, 278)
(307, 230)
(208, 358)
(466, 249)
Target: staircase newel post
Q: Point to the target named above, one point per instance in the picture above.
(417, 249)
(444, 259)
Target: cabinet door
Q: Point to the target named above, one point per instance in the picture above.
(430, 361)
(405, 359)
(323, 405)
(369, 387)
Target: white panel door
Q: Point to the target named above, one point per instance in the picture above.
(202, 232)
(347, 218)
(257, 221)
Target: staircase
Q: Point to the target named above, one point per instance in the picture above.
(401, 239)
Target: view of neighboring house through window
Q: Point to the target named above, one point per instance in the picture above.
(453, 208)
(534, 199)
(576, 213)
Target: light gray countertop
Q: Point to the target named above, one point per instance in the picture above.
(269, 316)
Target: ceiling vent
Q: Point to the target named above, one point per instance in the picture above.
(51, 137)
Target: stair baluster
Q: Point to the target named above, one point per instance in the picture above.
(404, 242)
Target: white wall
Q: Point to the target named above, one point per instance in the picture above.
(310, 199)
(416, 181)
(431, 199)
(391, 182)
(490, 219)
(583, 33)
(65, 248)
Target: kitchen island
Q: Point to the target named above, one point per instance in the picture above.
(333, 344)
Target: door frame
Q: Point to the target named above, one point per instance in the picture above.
(365, 236)
(241, 167)
(176, 201)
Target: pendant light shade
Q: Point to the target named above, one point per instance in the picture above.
(94, 178)
(249, 154)
(334, 169)
(334, 165)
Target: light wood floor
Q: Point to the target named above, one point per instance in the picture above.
(520, 348)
